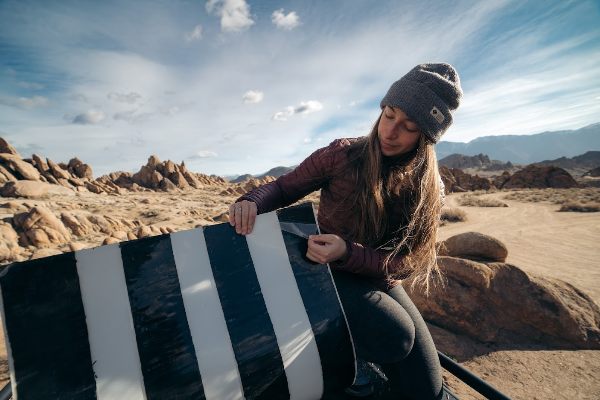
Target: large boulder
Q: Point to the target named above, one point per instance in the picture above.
(540, 177)
(28, 189)
(19, 168)
(6, 148)
(77, 168)
(474, 246)
(499, 303)
(9, 243)
(40, 228)
(57, 171)
(455, 180)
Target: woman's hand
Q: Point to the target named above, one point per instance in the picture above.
(325, 248)
(242, 216)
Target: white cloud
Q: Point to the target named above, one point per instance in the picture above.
(24, 102)
(90, 117)
(287, 22)
(253, 96)
(305, 107)
(234, 14)
(195, 34)
(31, 85)
(128, 98)
(203, 154)
(284, 114)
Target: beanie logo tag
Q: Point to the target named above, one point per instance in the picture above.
(437, 114)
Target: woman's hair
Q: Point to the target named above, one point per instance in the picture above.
(415, 240)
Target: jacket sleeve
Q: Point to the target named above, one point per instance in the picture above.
(369, 262)
(312, 174)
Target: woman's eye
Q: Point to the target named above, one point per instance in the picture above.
(389, 116)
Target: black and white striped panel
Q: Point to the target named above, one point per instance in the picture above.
(204, 313)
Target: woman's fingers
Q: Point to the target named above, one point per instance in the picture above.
(326, 248)
(242, 216)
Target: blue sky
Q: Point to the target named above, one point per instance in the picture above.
(240, 86)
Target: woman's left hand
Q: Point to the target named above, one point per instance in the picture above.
(325, 248)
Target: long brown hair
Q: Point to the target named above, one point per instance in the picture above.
(414, 241)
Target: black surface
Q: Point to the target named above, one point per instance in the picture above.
(164, 342)
(253, 339)
(45, 323)
(321, 303)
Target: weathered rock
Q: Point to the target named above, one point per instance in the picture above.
(77, 223)
(6, 148)
(179, 180)
(500, 181)
(40, 228)
(9, 243)
(499, 303)
(474, 246)
(192, 180)
(57, 171)
(535, 176)
(19, 168)
(144, 231)
(110, 240)
(74, 246)
(77, 168)
(167, 186)
(6, 175)
(40, 164)
(13, 206)
(455, 180)
(29, 189)
(153, 161)
(46, 252)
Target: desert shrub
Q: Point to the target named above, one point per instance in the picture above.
(471, 200)
(580, 206)
(453, 215)
(556, 196)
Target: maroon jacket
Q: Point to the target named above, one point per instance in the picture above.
(328, 169)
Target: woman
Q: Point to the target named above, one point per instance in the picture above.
(380, 204)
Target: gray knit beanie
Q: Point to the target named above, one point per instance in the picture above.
(428, 94)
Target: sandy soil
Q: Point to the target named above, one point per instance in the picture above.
(540, 240)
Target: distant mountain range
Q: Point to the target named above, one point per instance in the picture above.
(492, 152)
(527, 149)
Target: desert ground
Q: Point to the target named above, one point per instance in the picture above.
(540, 240)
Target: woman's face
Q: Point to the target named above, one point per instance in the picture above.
(397, 133)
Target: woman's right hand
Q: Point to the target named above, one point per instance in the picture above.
(242, 216)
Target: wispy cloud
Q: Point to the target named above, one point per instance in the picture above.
(90, 117)
(203, 154)
(129, 98)
(195, 34)
(253, 97)
(283, 21)
(305, 107)
(235, 14)
(24, 102)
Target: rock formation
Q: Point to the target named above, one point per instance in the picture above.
(538, 177)
(456, 180)
(492, 301)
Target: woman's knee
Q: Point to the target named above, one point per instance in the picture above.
(398, 344)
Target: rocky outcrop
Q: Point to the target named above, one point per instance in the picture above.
(455, 180)
(40, 228)
(32, 190)
(19, 168)
(499, 303)
(593, 172)
(9, 243)
(6, 148)
(83, 223)
(539, 177)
